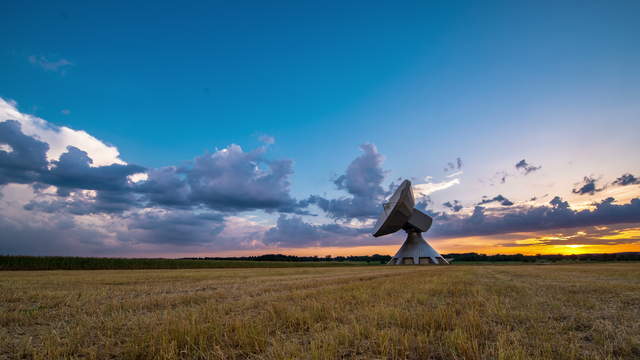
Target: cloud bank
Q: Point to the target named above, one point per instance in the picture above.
(64, 192)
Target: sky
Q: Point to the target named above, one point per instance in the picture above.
(240, 128)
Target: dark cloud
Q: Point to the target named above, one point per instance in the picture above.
(455, 206)
(588, 186)
(27, 163)
(234, 180)
(74, 171)
(499, 199)
(523, 166)
(81, 203)
(558, 215)
(166, 186)
(499, 177)
(53, 235)
(626, 179)
(27, 159)
(57, 233)
(534, 198)
(364, 175)
(173, 227)
(557, 203)
(363, 181)
(423, 203)
(295, 232)
(457, 165)
(228, 180)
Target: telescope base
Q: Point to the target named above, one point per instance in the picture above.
(416, 251)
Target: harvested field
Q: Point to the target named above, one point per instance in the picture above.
(582, 311)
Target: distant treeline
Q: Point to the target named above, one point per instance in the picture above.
(376, 258)
(475, 257)
(89, 263)
(274, 260)
(462, 257)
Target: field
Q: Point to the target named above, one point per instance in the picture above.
(581, 311)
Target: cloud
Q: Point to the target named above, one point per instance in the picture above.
(51, 235)
(588, 187)
(60, 137)
(558, 215)
(455, 206)
(364, 175)
(59, 65)
(174, 227)
(267, 139)
(294, 232)
(228, 180)
(84, 202)
(363, 182)
(26, 160)
(65, 111)
(103, 203)
(626, 179)
(454, 174)
(523, 166)
(500, 199)
(431, 187)
(503, 177)
(231, 179)
(74, 171)
(617, 235)
(457, 165)
(26, 163)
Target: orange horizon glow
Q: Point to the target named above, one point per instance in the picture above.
(609, 239)
(569, 249)
(481, 245)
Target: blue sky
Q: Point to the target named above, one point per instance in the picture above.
(555, 83)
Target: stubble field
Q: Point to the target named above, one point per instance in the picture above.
(589, 311)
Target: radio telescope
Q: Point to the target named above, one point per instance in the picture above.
(399, 214)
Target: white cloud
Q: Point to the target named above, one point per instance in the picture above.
(59, 137)
(138, 177)
(50, 65)
(431, 187)
(459, 172)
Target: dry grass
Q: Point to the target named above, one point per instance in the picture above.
(433, 312)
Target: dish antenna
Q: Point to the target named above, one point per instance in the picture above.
(400, 214)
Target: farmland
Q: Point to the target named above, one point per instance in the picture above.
(571, 311)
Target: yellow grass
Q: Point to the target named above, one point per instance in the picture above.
(434, 312)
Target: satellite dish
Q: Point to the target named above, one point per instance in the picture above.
(400, 214)
(397, 210)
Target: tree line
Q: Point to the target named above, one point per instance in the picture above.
(456, 257)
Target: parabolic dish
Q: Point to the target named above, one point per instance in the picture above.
(397, 210)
